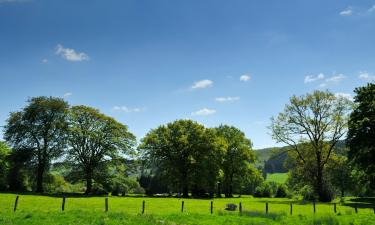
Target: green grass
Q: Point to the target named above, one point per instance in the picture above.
(277, 177)
(127, 210)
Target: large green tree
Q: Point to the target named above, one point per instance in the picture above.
(40, 127)
(95, 139)
(187, 155)
(4, 165)
(238, 156)
(312, 125)
(361, 135)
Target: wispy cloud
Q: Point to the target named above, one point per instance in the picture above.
(344, 95)
(127, 109)
(71, 54)
(202, 84)
(347, 12)
(335, 79)
(372, 9)
(68, 94)
(44, 60)
(312, 78)
(245, 77)
(204, 112)
(227, 99)
(364, 75)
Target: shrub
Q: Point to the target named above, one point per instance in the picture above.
(307, 193)
(264, 190)
(282, 191)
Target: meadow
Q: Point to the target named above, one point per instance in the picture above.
(32, 209)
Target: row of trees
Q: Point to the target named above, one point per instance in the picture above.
(47, 129)
(185, 157)
(191, 158)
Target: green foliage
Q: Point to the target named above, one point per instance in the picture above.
(361, 134)
(94, 140)
(4, 165)
(54, 183)
(39, 128)
(307, 193)
(311, 126)
(237, 157)
(265, 190)
(186, 154)
(282, 191)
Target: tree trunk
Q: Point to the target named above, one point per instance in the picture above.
(39, 179)
(88, 182)
(185, 192)
(323, 194)
(219, 190)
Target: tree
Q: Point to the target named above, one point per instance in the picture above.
(237, 158)
(340, 174)
(361, 134)
(94, 139)
(4, 165)
(40, 127)
(312, 125)
(186, 154)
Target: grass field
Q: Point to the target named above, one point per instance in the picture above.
(127, 210)
(277, 177)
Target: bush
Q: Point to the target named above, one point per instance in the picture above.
(307, 193)
(54, 183)
(264, 190)
(282, 191)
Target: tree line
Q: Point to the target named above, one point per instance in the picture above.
(50, 140)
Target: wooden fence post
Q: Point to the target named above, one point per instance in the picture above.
(16, 203)
(356, 208)
(63, 204)
(240, 208)
(266, 207)
(182, 206)
(143, 206)
(314, 207)
(212, 207)
(334, 207)
(106, 204)
(291, 208)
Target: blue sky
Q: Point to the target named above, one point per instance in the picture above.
(149, 62)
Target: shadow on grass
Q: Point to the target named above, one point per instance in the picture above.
(258, 214)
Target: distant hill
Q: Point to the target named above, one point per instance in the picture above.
(271, 160)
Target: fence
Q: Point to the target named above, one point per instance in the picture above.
(210, 207)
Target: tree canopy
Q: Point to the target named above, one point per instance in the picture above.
(40, 127)
(94, 139)
(312, 125)
(361, 135)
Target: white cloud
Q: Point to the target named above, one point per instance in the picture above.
(347, 12)
(312, 78)
(364, 75)
(202, 84)
(44, 60)
(204, 112)
(335, 79)
(68, 94)
(245, 77)
(372, 9)
(70, 54)
(127, 109)
(344, 95)
(227, 99)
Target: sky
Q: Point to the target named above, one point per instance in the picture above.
(150, 62)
